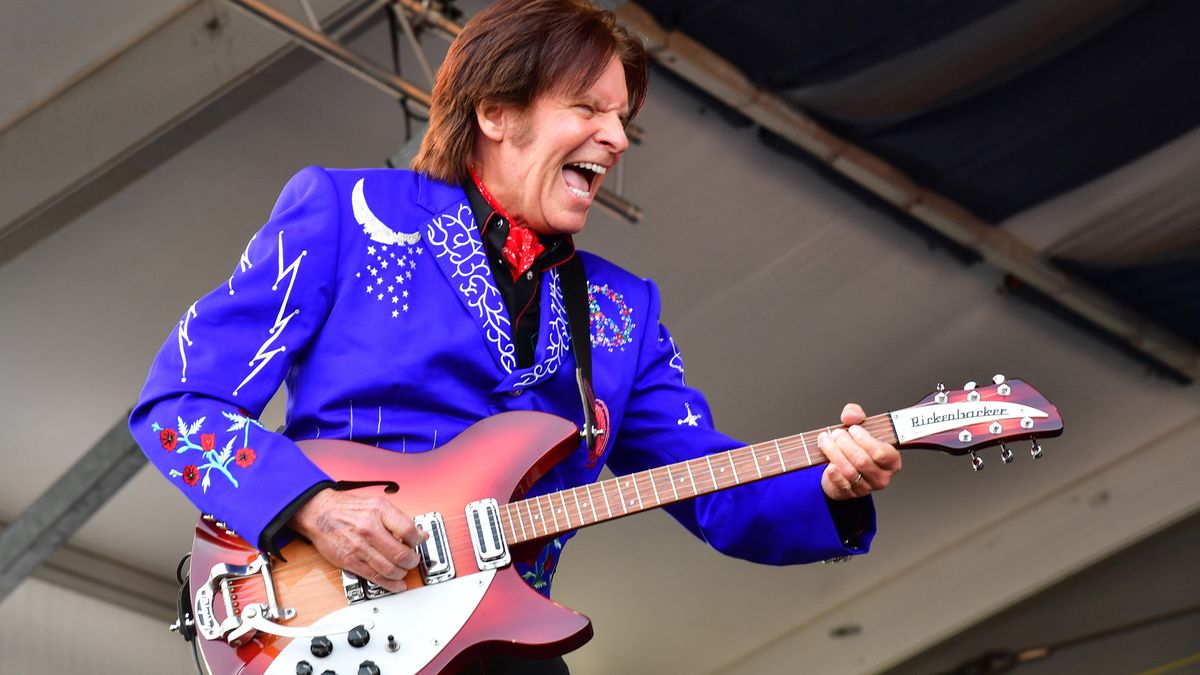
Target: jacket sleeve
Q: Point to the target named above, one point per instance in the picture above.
(781, 520)
(196, 418)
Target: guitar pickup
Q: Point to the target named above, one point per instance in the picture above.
(487, 534)
(437, 565)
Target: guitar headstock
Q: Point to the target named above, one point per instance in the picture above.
(964, 420)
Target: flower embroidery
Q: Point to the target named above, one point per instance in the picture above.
(541, 572)
(180, 441)
(244, 457)
(191, 475)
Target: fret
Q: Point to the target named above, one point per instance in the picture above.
(733, 467)
(754, 454)
(624, 506)
(654, 487)
(670, 476)
(637, 493)
(578, 508)
(519, 520)
(783, 464)
(691, 478)
(566, 514)
(532, 520)
(604, 491)
(708, 460)
(805, 443)
(542, 515)
(550, 503)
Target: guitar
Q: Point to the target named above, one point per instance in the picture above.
(465, 599)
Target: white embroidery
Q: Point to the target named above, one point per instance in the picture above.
(263, 356)
(243, 263)
(558, 337)
(375, 228)
(691, 418)
(677, 362)
(183, 337)
(452, 236)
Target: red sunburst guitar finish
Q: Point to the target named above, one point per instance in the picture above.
(260, 618)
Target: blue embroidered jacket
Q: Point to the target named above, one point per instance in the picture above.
(367, 293)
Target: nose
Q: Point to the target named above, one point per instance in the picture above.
(611, 134)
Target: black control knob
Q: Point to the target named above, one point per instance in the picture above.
(358, 636)
(321, 647)
(304, 668)
(368, 668)
(329, 672)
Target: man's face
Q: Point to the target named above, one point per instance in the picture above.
(547, 165)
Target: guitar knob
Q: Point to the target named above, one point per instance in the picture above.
(358, 636)
(321, 647)
(1035, 449)
(304, 668)
(1006, 455)
(976, 461)
(368, 668)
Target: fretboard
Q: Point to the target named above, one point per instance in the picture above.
(557, 512)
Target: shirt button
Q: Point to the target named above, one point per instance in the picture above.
(529, 275)
(516, 392)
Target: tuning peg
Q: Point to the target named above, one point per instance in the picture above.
(969, 385)
(941, 396)
(997, 379)
(976, 461)
(1035, 449)
(1006, 455)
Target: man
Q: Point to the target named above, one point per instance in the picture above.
(401, 307)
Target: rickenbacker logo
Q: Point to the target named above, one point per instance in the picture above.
(960, 415)
(927, 420)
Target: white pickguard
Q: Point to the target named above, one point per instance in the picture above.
(422, 620)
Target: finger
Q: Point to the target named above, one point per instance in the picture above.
(853, 413)
(369, 563)
(840, 472)
(403, 527)
(867, 476)
(884, 455)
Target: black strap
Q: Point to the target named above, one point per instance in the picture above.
(574, 287)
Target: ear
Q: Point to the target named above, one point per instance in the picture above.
(493, 119)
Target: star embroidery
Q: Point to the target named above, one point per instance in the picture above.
(370, 289)
(408, 274)
(395, 314)
(405, 306)
(391, 288)
(374, 273)
(381, 296)
(385, 264)
(370, 250)
(405, 294)
(395, 299)
(358, 275)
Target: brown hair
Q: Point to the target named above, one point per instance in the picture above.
(513, 52)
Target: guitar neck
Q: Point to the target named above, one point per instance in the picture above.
(555, 513)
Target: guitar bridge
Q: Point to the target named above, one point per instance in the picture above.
(233, 628)
(487, 534)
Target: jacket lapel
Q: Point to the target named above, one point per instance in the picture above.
(453, 238)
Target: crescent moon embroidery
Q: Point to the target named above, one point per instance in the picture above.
(374, 227)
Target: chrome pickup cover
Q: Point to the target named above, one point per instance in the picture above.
(437, 565)
(487, 534)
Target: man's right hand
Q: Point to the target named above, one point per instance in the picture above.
(364, 535)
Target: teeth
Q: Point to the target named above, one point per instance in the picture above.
(579, 193)
(595, 168)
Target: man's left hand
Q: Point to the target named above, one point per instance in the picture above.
(859, 463)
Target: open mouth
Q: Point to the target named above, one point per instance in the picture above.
(582, 178)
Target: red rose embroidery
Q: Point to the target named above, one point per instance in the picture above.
(191, 475)
(244, 457)
(208, 441)
(169, 439)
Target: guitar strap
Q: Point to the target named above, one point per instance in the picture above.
(595, 412)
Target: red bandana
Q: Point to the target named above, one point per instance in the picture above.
(522, 246)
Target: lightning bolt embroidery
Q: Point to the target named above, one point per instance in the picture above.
(243, 264)
(183, 337)
(264, 355)
(677, 362)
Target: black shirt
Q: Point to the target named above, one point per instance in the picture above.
(521, 296)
